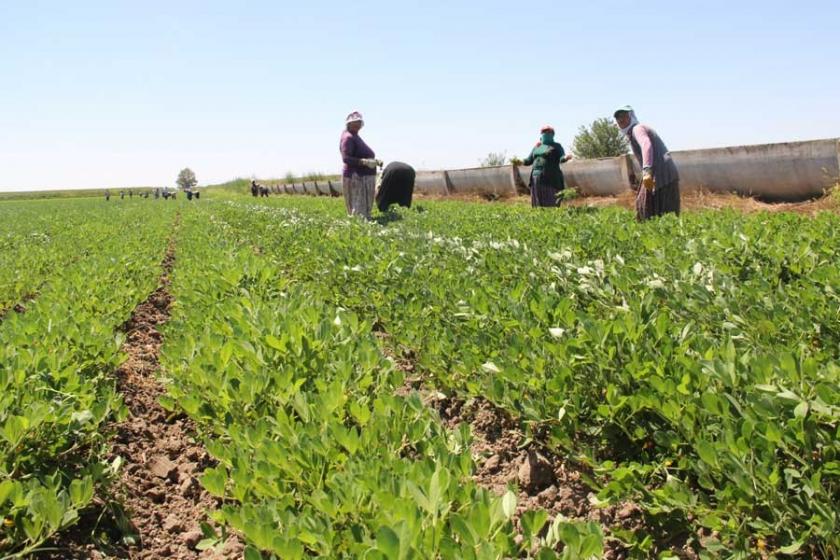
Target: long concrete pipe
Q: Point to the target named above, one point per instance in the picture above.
(787, 171)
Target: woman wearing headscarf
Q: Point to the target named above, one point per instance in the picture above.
(659, 192)
(359, 174)
(546, 177)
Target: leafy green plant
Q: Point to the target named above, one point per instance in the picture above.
(690, 363)
(601, 139)
(676, 375)
(58, 358)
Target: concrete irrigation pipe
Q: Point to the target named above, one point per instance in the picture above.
(430, 182)
(484, 181)
(323, 188)
(788, 171)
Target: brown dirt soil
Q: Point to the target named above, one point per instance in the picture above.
(696, 200)
(163, 460)
(692, 201)
(158, 485)
(19, 307)
(542, 480)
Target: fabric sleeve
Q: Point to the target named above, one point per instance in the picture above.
(348, 148)
(529, 160)
(642, 135)
(561, 151)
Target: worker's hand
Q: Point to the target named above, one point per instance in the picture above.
(647, 179)
(567, 158)
(379, 163)
(369, 162)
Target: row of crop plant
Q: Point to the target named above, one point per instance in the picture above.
(692, 363)
(318, 453)
(38, 239)
(57, 360)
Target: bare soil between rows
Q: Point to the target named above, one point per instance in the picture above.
(541, 479)
(693, 200)
(158, 504)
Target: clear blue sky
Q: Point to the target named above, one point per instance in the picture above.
(127, 93)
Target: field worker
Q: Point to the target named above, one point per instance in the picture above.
(397, 186)
(659, 192)
(546, 177)
(107, 194)
(359, 173)
(255, 190)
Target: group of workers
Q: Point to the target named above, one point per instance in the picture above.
(258, 190)
(157, 193)
(657, 192)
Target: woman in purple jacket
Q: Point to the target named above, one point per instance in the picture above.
(359, 174)
(659, 192)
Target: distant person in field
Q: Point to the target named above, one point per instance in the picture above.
(107, 195)
(659, 192)
(130, 194)
(255, 189)
(359, 173)
(546, 177)
(122, 195)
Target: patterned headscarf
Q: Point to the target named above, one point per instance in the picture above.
(355, 116)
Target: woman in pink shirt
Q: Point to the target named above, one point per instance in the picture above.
(659, 192)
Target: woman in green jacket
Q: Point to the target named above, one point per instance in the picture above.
(546, 177)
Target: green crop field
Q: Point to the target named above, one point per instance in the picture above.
(458, 380)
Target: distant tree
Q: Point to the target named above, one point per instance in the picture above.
(602, 139)
(186, 179)
(494, 159)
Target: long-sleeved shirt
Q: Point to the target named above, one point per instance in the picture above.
(546, 159)
(651, 151)
(353, 150)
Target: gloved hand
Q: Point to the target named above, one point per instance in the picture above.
(369, 162)
(647, 179)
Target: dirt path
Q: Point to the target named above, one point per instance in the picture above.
(159, 487)
(157, 503)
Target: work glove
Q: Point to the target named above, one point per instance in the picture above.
(647, 179)
(369, 162)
